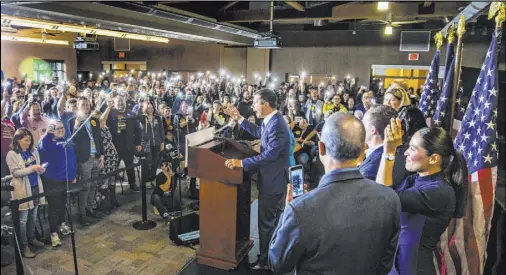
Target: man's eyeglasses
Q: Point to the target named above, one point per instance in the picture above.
(59, 129)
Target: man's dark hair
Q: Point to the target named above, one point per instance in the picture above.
(343, 136)
(380, 116)
(269, 96)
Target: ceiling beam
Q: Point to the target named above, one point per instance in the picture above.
(119, 19)
(337, 11)
(399, 11)
(471, 12)
(296, 5)
(229, 5)
(322, 11)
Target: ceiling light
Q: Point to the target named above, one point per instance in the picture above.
(382, 6)
(9, 20)
(7, 37)
(388, 30)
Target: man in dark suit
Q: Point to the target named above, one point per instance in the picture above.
(126, 136)
(346, 225)
(272, 164)
(89, 156)
(375, 121)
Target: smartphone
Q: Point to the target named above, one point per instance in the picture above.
(296, 174)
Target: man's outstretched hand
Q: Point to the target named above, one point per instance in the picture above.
(233, 113)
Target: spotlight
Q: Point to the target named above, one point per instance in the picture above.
(80, 76)
(303, 74)
(348, 76)
(382, 6)
(388, 30)
(132, 71)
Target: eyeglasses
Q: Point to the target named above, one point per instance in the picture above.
(59, 129)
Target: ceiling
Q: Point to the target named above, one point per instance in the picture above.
(238, 22)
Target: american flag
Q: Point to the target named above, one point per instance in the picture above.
(443, 107)
(459, 104)
(430, 92)
(464, 243)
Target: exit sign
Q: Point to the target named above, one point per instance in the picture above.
(121, 54)
(414, 56)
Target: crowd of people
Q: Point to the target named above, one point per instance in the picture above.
(362, 134)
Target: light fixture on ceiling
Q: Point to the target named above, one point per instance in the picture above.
(388, 30)
(383, 6)
(9, 20)
(8, 37)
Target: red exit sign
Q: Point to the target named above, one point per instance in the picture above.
(414, 56)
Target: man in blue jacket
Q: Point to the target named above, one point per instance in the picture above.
(272, 164)
(375, 121)
(348, 224)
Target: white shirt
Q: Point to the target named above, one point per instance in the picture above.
(370, 150)
(268, 117)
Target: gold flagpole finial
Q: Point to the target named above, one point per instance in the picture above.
(450, 35)
(461, 29)
(501, 14)
(439, 40)
(494, 8)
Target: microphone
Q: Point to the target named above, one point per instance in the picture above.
(228, 125)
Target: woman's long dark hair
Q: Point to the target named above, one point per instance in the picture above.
(20, 134)
(453, 164)
(413, 120)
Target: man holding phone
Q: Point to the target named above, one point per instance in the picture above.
(346, 225)
(272, 164)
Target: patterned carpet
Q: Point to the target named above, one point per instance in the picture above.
(112, 246)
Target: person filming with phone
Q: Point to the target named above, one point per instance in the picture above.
(348, 224)
(272, 163)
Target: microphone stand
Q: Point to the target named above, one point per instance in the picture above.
(178, 175)
(69, 207)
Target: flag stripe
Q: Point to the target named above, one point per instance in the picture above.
(473, 220)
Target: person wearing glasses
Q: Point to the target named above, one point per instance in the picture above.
(24, 163)
(59, 169)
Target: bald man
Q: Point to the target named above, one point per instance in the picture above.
(348, 224)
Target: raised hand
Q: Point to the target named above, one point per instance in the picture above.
(393, 136)
(233, 113)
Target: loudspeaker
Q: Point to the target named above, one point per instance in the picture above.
(185, 230)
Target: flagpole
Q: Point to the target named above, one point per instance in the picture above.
(461, 29)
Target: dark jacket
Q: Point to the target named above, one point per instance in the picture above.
(347, 225)
(128, 139)
(369, 168)
(274, 158)
(81, 140)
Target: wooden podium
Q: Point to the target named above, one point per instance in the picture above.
(225, 197)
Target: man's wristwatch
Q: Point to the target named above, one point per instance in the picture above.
(389, 157)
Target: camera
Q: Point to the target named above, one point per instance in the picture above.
(5, 184)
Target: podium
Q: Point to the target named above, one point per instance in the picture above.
(224, 202)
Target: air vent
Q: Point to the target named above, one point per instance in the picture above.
(415, 41)
(121, 45)
(203, 23)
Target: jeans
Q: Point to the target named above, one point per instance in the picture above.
(128, 159)
(165, 203)
(87, 170)
(56, 203)
(27, 221)
(304, 160)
